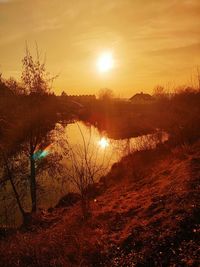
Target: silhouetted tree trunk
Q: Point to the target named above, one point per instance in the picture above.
(33, 186)
(17, 197)
(37, 84)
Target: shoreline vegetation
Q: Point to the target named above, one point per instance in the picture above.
(143, 212)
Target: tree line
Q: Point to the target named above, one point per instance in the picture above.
(28, 113)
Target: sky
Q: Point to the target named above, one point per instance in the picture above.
(151, 41)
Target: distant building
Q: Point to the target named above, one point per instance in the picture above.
(141, 98)
(81, 98)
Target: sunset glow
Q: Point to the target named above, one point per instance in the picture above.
(99, 133)
(145, 42)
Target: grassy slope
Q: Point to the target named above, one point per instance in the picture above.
(146, 216)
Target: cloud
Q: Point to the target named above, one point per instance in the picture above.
(147, 36)
(180, 50)
(49, 24)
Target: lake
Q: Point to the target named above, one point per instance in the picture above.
(79, 144)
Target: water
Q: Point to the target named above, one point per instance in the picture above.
(105, 150)
(82, 147)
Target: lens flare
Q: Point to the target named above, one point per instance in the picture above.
(40, 154)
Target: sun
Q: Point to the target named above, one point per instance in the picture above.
(103, 142)
(105, 62)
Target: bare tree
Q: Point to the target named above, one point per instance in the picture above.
(9, 175)
(159, 91)
(16, 174)
(40, 115)
(15, 87)
(86, 167)
(35, 78)
(106, 94)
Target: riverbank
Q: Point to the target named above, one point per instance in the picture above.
(125, 119)
(139, 217)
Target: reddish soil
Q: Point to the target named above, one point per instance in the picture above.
(145, 215)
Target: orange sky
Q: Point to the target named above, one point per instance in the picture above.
(152, 42)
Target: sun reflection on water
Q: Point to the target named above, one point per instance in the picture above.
(103, 142)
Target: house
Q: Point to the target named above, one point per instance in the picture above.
(141, 98)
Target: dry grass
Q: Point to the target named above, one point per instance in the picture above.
(148, 221)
